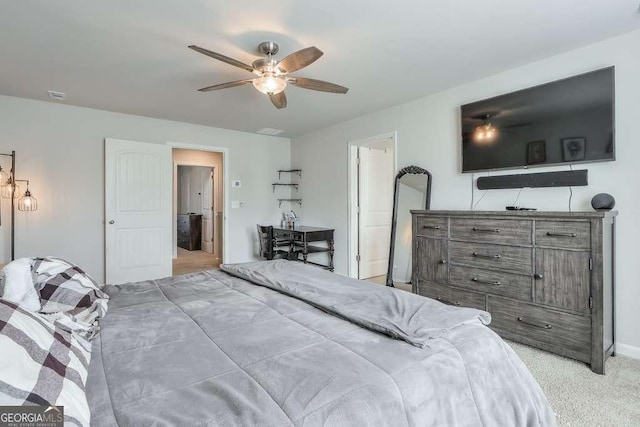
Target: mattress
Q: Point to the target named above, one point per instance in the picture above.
(281, 343)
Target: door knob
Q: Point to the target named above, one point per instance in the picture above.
(112, 222)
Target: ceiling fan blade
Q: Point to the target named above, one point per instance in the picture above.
(300, 59)
(319, 85)
(225, 85)
(279, 100)
(223, 58)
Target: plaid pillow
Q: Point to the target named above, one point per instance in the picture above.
(41, 364)
(69, 296)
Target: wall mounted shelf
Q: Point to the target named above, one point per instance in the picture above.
(298, 171)
(277, 184)
(299, 201)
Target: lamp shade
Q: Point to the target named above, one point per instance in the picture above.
(11, 189)
(27, 202)
(4, 177)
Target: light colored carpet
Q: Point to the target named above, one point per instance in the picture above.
(193, 261)
(578, 396)
(581, 398)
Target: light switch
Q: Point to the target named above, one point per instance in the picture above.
(235, 204)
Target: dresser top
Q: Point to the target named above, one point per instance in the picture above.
(520, 214)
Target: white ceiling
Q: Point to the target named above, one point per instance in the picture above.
(132, 57)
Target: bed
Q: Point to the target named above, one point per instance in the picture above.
(279, 343)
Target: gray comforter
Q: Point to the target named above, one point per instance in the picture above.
(214, 349)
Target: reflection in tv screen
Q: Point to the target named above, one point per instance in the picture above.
(563, 122)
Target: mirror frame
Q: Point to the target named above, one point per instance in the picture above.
(409, 170)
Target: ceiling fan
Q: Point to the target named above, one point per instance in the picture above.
(272, 75)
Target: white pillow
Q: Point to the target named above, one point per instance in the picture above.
(19, 286)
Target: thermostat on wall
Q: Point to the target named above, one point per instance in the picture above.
(236, 184)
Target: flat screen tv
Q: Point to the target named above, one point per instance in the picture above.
(563, 122)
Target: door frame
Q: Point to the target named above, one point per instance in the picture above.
(176, 182)
(224, 187)
(352, 191)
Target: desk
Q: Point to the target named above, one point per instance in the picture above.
(302, 235)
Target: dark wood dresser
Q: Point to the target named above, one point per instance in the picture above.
(190, 231)
(547, 278)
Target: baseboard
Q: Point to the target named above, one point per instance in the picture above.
(628, 350)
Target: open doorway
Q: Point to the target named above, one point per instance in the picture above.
(372, 167)
(198, 210)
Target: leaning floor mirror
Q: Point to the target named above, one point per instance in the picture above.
(412, 191)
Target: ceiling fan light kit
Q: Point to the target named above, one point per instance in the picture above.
(272, 75)
(270, 85)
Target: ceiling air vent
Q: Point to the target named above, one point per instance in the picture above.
(269, 131)
(57, 96)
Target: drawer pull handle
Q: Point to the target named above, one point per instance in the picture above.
(486, 230)
(486, 282)
(442, 261)
(477, 255)
(431, 227)
(448, 302)
(537, 325)
(538, 276)
(550, 234)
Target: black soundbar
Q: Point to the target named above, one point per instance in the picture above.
(545, 179)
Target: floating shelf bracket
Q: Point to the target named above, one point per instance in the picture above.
(299, 201)
(298, 171)
(276, 184)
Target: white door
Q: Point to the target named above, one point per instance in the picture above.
(138, 211)
(375, 191)
(207, 210)
(185, 193)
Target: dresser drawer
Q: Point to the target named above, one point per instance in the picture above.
(508, 258)
(512, 231)
(563, 234)
(451, 296)
(492, 282)
(431, 227)
(530, 322)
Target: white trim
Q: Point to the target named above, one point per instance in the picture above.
(352, 222)
(628, 350)
(225, 187)
(352, 218)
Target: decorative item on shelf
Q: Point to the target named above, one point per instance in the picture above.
(10, 190)
(603, 202)
(289, 220)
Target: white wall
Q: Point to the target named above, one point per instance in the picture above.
(60, 148)
(428, 136)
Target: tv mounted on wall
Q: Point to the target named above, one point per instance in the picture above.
(568, 121)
